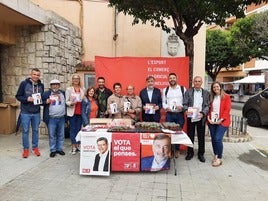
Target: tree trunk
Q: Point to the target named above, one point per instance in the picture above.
(212, 76)
(189, 51)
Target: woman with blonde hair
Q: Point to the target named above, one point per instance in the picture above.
(74, 95)
(218, 120)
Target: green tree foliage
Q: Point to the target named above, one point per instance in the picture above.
(250, 36)
(187, 15)
(219, 53)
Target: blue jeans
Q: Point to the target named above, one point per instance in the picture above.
(178, 118)
(217, 133)
(56, 133)
(75, 127)
(26, 121)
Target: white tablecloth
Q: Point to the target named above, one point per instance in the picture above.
(181, 138)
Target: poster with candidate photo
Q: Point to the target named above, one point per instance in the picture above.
(95, 153)
(155, 151)
(126, 152)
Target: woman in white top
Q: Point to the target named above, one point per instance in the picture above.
(74, 95)
(218, 120)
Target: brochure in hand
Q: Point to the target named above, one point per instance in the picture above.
(113, 107)
(214, 116)
(37, 100)
(193, 113)
(149, 108)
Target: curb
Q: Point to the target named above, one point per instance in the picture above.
(234, 138)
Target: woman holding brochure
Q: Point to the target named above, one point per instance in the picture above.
(74, 95)
(218, 120)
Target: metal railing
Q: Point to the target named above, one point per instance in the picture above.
(238, 126)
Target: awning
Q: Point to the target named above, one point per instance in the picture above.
(251, 79)
(21, 13)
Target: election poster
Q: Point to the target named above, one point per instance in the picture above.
(155, 151)
(126, 152)
(95, 153)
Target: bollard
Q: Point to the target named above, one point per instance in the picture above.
(238, 126)
(241, 126)
(245, 124)
(233, 124)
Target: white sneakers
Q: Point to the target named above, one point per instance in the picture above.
(75, 150)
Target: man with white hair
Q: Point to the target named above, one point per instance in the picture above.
(54, 117)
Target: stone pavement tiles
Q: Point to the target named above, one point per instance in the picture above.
(48, 179)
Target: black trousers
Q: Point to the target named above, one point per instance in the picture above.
(198, 127)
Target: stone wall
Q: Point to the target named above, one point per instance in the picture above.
(54, 48)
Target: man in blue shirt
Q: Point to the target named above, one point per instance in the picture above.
(29, 94)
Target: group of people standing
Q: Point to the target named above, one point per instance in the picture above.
(199, 106)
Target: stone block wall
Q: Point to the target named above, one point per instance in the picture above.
(54, 49)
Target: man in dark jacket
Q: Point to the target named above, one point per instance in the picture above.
(102, 94)
(151, 101)
(101, 162)
(29, 94)
(54, 117)
(196, 106)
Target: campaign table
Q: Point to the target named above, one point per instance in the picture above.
(124, 149)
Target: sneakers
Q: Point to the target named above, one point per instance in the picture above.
(73, 150)
(25, 153)
(36, 151)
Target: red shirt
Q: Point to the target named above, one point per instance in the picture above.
(93, 109)
(78, 108)
(78, 105)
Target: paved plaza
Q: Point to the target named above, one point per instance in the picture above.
(242, 177)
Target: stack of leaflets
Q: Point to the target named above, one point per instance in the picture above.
(193, 113)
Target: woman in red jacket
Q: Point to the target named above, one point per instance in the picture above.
(218, 120)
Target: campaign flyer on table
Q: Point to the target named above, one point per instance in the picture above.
(95, 153)
(126, 152)
(155, 151)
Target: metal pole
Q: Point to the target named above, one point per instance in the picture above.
(232, 124)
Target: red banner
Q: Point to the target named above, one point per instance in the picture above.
(134, 70)
(126, 152)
